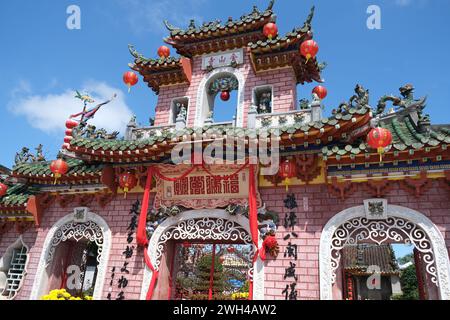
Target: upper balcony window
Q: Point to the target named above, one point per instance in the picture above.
(262, 99)
(178, 108)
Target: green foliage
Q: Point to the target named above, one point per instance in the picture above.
(406, 259)
(409, 283)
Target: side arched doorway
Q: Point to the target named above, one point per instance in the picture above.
(65, 244)
(400, 225)
(207, 226)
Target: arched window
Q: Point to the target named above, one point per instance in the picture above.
(210, 108)
(13, 269)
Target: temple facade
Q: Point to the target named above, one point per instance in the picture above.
(268, 205)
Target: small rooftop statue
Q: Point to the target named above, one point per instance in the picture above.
(24, 156)
(358, 100)
(90, 131)
(405, 101)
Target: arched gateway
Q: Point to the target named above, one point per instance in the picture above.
(400, 224)
(81, 225)
(206, 225)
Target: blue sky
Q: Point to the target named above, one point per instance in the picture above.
(42, 62)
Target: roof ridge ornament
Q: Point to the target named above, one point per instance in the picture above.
(405, 101)
(170, 27)
(270, 6)
(310, 16)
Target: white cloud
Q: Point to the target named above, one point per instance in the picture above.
(50, 112)
(148, 16)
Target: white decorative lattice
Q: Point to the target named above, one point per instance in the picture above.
(392, 229)
(205, 229)
(77, 231)
(414, 228)
(13, 267)
(41, 277)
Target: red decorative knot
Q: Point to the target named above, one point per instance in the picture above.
(225, 95)
(379, 139)
(309, 49)
(287, 171)
(127, 181)
(163, 52)
(130, 79)
(3, 189)
(270, 30)
(59, 168)
(320, 91)
(70, 124)
(270, 244)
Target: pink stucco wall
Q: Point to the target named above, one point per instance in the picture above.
(282, 80)
(434, 204)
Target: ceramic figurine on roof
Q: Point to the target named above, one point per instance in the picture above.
(407, 100)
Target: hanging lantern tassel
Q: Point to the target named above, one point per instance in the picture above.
(287, 183)
(380, 151)
(125, 191)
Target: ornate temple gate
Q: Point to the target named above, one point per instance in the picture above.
(397, 225)
(195, 186)
(202, 229)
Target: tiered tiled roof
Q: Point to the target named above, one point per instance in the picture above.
(14, 203)
(157, 147)
(407, 139)
(39, 172)
(163, 71)
(230, 35)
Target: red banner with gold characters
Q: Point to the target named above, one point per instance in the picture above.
(200, 189)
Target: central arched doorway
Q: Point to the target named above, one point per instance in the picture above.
(400, 225)
(203, 232)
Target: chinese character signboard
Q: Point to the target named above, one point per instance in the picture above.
(201, 190)
(223, 59)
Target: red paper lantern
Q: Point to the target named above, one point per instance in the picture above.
(69, 132)
(309, 49)
(163, 52)
(127, 181)
(70, 123)
(67, 139)
(270, 30)
(287, 171)
(225, 95)
(379, 139)
(59, 168)
(320, 91)
(130, 79)
(65, 146)
(3, 189)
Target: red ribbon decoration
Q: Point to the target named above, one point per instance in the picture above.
(252, 210)
(155, 273)
(141, 233)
